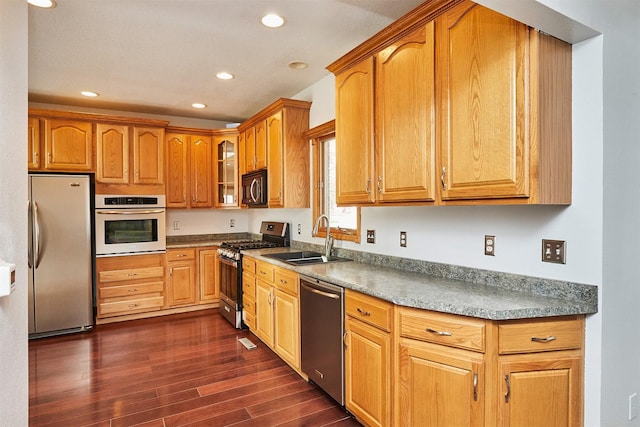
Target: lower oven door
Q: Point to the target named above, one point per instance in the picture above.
(126, 231)
(229, 275)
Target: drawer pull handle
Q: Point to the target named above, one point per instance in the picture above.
(363, 312)
(133, 290)
(133, 305)
(283, 281)
(547, 339)
(441, 333)
(132, 274)
(181, 255)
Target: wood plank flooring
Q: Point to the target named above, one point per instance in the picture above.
(180, 370)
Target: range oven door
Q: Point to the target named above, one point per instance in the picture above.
(229, 279)
(126, 231)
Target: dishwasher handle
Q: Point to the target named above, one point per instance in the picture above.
(319, 292)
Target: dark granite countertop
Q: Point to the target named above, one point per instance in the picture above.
(494, 296)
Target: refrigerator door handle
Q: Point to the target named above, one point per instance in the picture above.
(30, 243)
(36, 229)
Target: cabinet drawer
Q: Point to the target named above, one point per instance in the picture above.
(119, 308)
(527, 336)
(286, 281)
(130, 290)
(130, 274)
(264, 271)
(249, 305)
(248, 285)
(249, 320)
(249, 265)
(369, 309)
(181, 254)
(440, 328)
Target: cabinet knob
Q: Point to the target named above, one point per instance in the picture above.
(363, 312)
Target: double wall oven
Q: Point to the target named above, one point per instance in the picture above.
(274, 234)
(127, 225)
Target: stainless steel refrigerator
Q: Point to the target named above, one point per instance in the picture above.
(60, 254)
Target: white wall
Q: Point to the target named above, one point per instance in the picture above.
(14, 369)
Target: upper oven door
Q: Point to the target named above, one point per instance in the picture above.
(254, 188)
(125, 231)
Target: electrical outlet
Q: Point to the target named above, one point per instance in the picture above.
(176, 225)
(490, 245)
(232, 223)
(553, 251)
(371, 236)
(633, 406)
(403, 239)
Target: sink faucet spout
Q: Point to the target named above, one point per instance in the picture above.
(328, 241)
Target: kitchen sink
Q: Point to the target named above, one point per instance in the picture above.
(303, 257)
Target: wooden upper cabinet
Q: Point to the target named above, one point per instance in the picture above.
(354, 134)
(177, 170)
(405, 116)
(201, 171)
(454, 104)
(274, 138)
(148, 155)
(189, 170)
(33, 143)
(504, 108)
(68, 145)
(112, 153)
(226, 148)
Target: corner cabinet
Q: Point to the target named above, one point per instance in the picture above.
(281, 126)
(405, 136)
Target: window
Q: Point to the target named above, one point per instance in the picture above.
(345, 220)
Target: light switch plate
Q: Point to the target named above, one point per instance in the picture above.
(554, 251)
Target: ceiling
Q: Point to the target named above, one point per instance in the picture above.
(160, 56)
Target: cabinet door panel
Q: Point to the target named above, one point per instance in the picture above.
(201, 171)
(405, 99)
(264, 312)
(182, 280)
(261, 145)
(354, 135)
(543, 392)
(112, 144)
(33, 147)
(207, 270)
(436, 386)
(367, 373)
(287, 328)
(68, 145)
(250, 149)
(148, 155)
(482, 59)
(276, 160)
(177, 171)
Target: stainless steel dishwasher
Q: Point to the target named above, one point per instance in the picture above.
(321, 330)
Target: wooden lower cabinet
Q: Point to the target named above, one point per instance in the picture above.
(181, 277)
(129, 285)
(456, 370)
(275, 312)
(207, 276)
(368, 346)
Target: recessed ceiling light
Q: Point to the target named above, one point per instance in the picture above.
(42, 3)
(89, 93)
(224, 75)
(198, 105)
(272, 20)
(298, 65)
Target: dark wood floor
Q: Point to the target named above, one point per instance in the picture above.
(180, 370)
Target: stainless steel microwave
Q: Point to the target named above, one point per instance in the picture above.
(254, 189)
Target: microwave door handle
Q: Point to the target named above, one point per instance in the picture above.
(254, 198)
(130, 212)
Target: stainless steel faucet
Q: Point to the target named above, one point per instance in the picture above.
(328, 241)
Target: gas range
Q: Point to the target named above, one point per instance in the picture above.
(274, 234)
